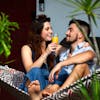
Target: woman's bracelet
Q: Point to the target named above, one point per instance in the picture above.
(44, 56)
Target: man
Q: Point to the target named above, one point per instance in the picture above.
(76, 61)
(74, 66)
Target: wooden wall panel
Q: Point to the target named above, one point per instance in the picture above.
(20, 11)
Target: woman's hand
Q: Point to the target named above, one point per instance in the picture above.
(51, 48)
(55, 71)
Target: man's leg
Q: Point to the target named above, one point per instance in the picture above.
(78, 72)
(50, 89)
(57, 83)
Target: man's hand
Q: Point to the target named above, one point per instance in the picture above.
(55, 71)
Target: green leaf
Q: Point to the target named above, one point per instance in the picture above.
(96, 3)
(6, 49)
(1, 50)
(95, 87)
(85, 93)
(84, 90)
(93, 18)
(6, 27)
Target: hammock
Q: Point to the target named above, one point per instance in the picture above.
(10, 79)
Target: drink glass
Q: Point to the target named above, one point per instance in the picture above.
(55, 38)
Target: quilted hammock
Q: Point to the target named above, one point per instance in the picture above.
(10, 79)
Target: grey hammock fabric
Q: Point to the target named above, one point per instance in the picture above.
(10, 79)
(11, 76)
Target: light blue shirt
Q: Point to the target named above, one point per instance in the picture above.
(79, 49)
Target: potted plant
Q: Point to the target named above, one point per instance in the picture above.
(6, 27)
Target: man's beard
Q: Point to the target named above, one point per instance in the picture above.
(71, 42)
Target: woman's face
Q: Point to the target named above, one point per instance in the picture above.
(47, 32)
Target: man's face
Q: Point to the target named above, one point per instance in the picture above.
(72, 33)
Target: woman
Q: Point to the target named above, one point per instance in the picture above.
(37, 55)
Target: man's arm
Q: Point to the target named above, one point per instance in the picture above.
(77, 59)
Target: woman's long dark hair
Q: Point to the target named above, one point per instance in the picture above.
(35, 40)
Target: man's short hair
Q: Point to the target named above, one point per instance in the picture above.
(82, 24)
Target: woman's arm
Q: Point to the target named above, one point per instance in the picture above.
(26, 54)
(28, 63)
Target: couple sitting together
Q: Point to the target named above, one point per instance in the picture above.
(44, 74)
